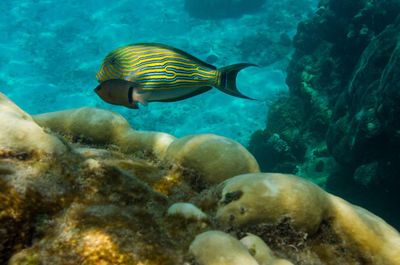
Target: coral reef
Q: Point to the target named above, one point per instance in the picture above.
(339, 124)
(77, 188)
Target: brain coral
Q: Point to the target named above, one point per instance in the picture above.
(266, 198)
(214, 157)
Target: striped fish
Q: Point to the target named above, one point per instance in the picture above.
(149, 72)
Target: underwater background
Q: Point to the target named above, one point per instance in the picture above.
(50, 54)
(327, 108)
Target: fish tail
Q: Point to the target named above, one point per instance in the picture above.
(227, 79)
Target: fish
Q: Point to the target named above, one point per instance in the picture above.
(153, 72)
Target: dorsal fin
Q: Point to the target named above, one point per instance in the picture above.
(189, 56)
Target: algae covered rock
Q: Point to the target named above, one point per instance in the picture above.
(89, 200)
(30, 185)
(261, 252)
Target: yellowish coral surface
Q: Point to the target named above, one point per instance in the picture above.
(218, 248)
(19, 133)
(214, 157)
(82, 187)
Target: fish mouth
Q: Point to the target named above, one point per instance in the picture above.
(97, 89)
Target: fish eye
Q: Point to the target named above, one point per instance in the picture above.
(113, 61)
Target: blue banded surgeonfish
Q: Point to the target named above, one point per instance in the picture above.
(158, 73)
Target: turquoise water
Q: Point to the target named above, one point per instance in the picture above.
(50, 52)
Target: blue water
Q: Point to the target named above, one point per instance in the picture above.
(51, 50)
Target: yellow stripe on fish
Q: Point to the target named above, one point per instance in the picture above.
(157, 67)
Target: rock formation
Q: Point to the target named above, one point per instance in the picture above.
(339, 126)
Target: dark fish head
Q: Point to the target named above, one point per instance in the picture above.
(117, 92)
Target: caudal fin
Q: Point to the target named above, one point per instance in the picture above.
(227, 79)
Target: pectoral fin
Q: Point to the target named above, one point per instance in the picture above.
(141, 96)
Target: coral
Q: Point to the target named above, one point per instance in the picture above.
(20, 135)
(87, 199)
(187, 211)
(104, 127)
(261, 252)
(214, 158)
(280, 141)
(218, 248)
(266, 198)
(96, 125)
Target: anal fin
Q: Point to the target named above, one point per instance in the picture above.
(199, 91)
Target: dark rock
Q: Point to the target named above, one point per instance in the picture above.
(280, 141)
(367, 116)
(365, 174)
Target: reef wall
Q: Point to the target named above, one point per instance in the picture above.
(340, 123)
(82, 187)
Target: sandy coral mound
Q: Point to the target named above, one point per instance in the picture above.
(104, 127)
(259, 198)
(218, 248)
(102, 193)
(20, 134)
(266, 198)
(214, 157)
